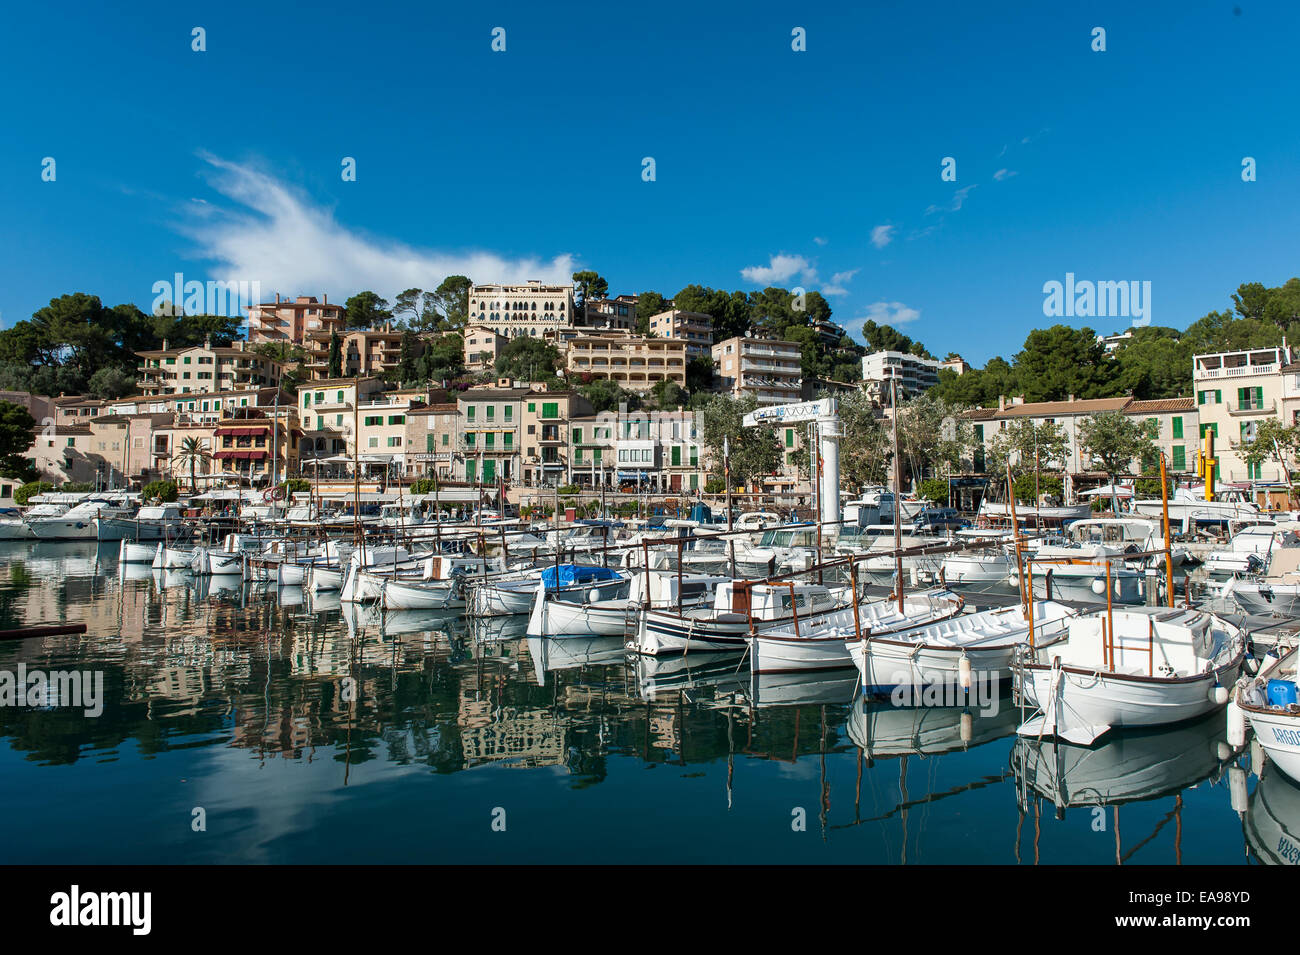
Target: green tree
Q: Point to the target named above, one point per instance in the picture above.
(17, 429)
(1026, 445)
(867, 445)
(165, 491)
(932, 435)
(335, 363)
(1115, 440)
(588, 285)
(451, 301)
(193, 452)
(28, 491)
(755, 452)
(1273, 441)
(366, 310)
(109, 382)
(530, 359)
(647, 305)
(1061, 361)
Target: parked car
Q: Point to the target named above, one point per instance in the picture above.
(940, 519)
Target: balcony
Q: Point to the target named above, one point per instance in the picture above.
(1239, 411)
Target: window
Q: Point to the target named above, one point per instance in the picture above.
(395, 441)
(491, 412)
(372, 420)
(340, 401)
(551, 409)
(469, 413)
(532, 406)
(1255, 471)
(1210, 427)
(509, 413)
(428, 444)
(1248, 431)
(1177, 423)
(446, 440)
(508, 440)
(397, 419)
(677, 455)
(489, 440)
(1250, 399)
(789, 437)
(577, 435)
(1179, 457)
(373, 443)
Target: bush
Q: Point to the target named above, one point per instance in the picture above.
(935, 490)
(297, 485)
(76, 487)
(714, 486)
(1149, 486)
(1047, 484)
(424, 486)
(165, 491)
(569, 489)
(29, 491)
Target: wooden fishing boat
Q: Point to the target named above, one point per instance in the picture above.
(1140, 666)
(1271, 705)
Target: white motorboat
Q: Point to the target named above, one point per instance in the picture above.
(441, 585)
(78, 522)
(1140, 666)
(825, 646)
(1189, 507)
(149, 523)
(992, 513)
(597, 618)
(881, 565)
(1271, 704)
(955, 652)
(514, 594)
(1080, 572)
(1252, 550)
(884, 731)
(1277, 592)
(16, 528)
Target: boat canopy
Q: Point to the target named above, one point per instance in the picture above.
(571, 574)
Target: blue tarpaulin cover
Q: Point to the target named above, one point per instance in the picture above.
(571, 574)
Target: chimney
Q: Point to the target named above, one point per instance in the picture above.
(277, 298)
(1002, 402)
(207, 341)
(1071, 397)
(325, 300)
(164, 348)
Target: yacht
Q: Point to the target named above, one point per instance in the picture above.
(78, 522)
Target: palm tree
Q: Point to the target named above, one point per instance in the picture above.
(193, 450)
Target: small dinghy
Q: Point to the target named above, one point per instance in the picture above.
(1140, 666)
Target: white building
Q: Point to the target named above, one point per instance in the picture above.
(515, 311)
(914, 374)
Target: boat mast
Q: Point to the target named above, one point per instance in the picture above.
(898, 498)
(1169, 553)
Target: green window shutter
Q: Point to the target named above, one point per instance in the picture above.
(1200, 397)
(510, 412)
(489, 440)
(595, 456)
(428, 444)
(1179, 457)
(469, 413)
(551, 410)
(340, 398)
(789, 437)
(1218, 396)
(508, 439)
(471, 468)
(446, 439)
(1153, 425)
(1178, 426)
(532, 406)
(489, 471)
(979, 432)
(577, 436)
(1242, 400)
(677, 455)
(695, 457)
(306, 400)
(491, 412)
(1245, 429)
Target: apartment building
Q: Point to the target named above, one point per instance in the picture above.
(694, 328)
(829, 333)
(291, 322)
(1234, 392)
(430, 439)
(201, 408)
(361, 351)
(613, 314)
(327, 412)
(75, 409)
(547, 434)
(913, 373)
(250, 445)
(659, 451)
(1177, 427)
(591, 450)
(202, 369)
(382, 418)
(769, 370)
(482, 345)
(488, 431)
(634, 362)
(513, 311)
(1175, 420)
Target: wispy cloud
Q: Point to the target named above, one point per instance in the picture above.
(838, 282)
(883, 313)
(780, 268)
(882, 235)
(1004, 174)
(269, 232)
(819, 240)
(957, 201)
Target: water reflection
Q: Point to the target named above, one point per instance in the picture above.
(296, 719)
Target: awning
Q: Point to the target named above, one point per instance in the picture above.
(240, 455)
(243, 432)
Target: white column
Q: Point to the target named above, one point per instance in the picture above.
(829, 431)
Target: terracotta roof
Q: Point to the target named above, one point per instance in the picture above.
(1038, 409)
(1158, 405)
(980, 414)
(434, 409)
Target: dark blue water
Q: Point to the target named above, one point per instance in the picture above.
(309, 734)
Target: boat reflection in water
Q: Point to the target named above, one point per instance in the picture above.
(834, 687)
(725, 671)
(550, 654)
(1134, 766)
(882, 730)
(1272, 822)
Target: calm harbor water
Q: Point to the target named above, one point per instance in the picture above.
(239, 702)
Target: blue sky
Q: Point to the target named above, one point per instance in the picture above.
(819, 169)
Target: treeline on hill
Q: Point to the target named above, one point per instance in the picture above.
(1156, 362)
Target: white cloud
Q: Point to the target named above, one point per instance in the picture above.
(780, 268)
(882, 235)
(885, 313)
(272, 234)
(838, 282)
(841, 277)
(1004, 174)
(958, 199)
(819, 240)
